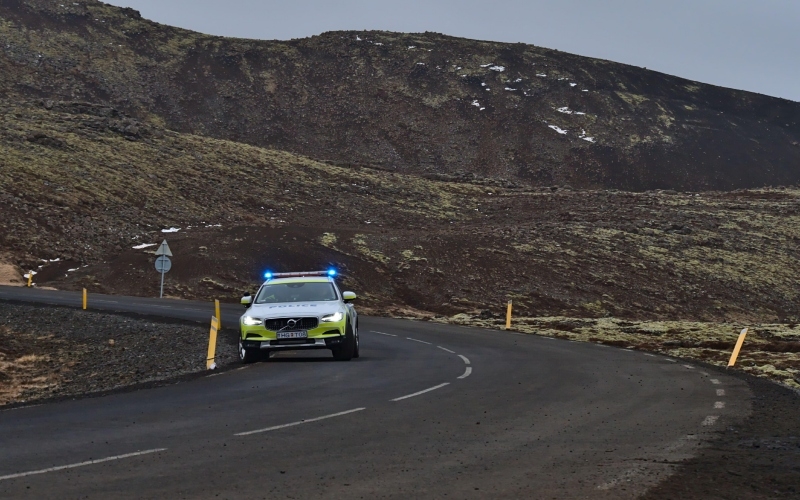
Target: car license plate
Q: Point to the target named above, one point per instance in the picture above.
(293, 335)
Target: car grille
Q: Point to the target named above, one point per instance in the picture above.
(276, 324)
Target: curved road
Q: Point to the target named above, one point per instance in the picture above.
(429, 410)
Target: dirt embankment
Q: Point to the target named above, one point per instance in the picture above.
(10, 275)
(50, 352)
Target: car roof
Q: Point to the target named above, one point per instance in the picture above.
(303, 279)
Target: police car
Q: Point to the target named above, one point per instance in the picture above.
(300, 310)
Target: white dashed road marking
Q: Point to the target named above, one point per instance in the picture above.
(719, 404)
(420, 341)
(448, 350)
(671, 360)
(651, 355)
(715, 381)
(689, 367)
(710, 420)
(466, 361)
(80, 464)
(467, 373)
(429, 389)
(720, 392)
(316, 419)
(387, 334)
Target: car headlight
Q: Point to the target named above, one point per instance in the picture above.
(251, 321)
(332, 318)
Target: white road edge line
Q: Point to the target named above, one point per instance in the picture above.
(466, 361)
(381, 333)
(651, 355)
(429, 389)
(719, 405)
(671, 360)
(316, 419)
(444, 349)
(710, 420)
(21, 407)
(80, 464)
(467, 373)
(420, 341)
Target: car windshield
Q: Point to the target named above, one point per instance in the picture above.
(295, 292)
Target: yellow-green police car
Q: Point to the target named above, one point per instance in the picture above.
(294, 311)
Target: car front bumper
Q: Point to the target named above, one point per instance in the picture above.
(294, 344)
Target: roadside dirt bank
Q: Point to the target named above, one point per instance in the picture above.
(52, 352)
(9, 275)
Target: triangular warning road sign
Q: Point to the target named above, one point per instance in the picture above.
(164, 249)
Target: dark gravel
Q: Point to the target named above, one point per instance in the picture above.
(50, 352)
(759, 459)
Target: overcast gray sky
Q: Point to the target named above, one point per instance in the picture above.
(745, 44)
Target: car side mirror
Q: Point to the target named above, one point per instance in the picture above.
(247, 300)
(349, 296)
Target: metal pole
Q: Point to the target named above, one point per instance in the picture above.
(162, 282)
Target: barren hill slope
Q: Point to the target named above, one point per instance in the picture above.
(83, 185)
(413, 103)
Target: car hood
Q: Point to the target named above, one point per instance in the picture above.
(294, 309)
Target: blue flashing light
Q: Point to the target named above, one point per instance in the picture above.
(268, 275)
(331, 272)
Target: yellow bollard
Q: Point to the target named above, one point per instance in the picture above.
(508, 316)
(738, 347)
(216, 310)
(84, 299)
(30, 278)
(212, 344)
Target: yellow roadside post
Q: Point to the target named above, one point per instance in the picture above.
(738, 347)
(212, 344)
(508, 316)
(84, 299)
(30, 278)
(216, 311)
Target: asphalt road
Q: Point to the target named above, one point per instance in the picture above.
(429, 410)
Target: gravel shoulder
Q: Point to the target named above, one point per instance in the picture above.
(51, 352)
(758, 459)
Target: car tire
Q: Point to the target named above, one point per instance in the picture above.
(356, 353)
(248, 356)
(346, 350)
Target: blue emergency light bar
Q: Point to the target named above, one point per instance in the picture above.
(270, 275)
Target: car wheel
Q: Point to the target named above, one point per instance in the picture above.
(248, 355)
(346, 350)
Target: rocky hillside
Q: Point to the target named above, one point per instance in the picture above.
(91, 191)
(427, 104)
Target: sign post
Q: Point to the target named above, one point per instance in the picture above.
(163, 262)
